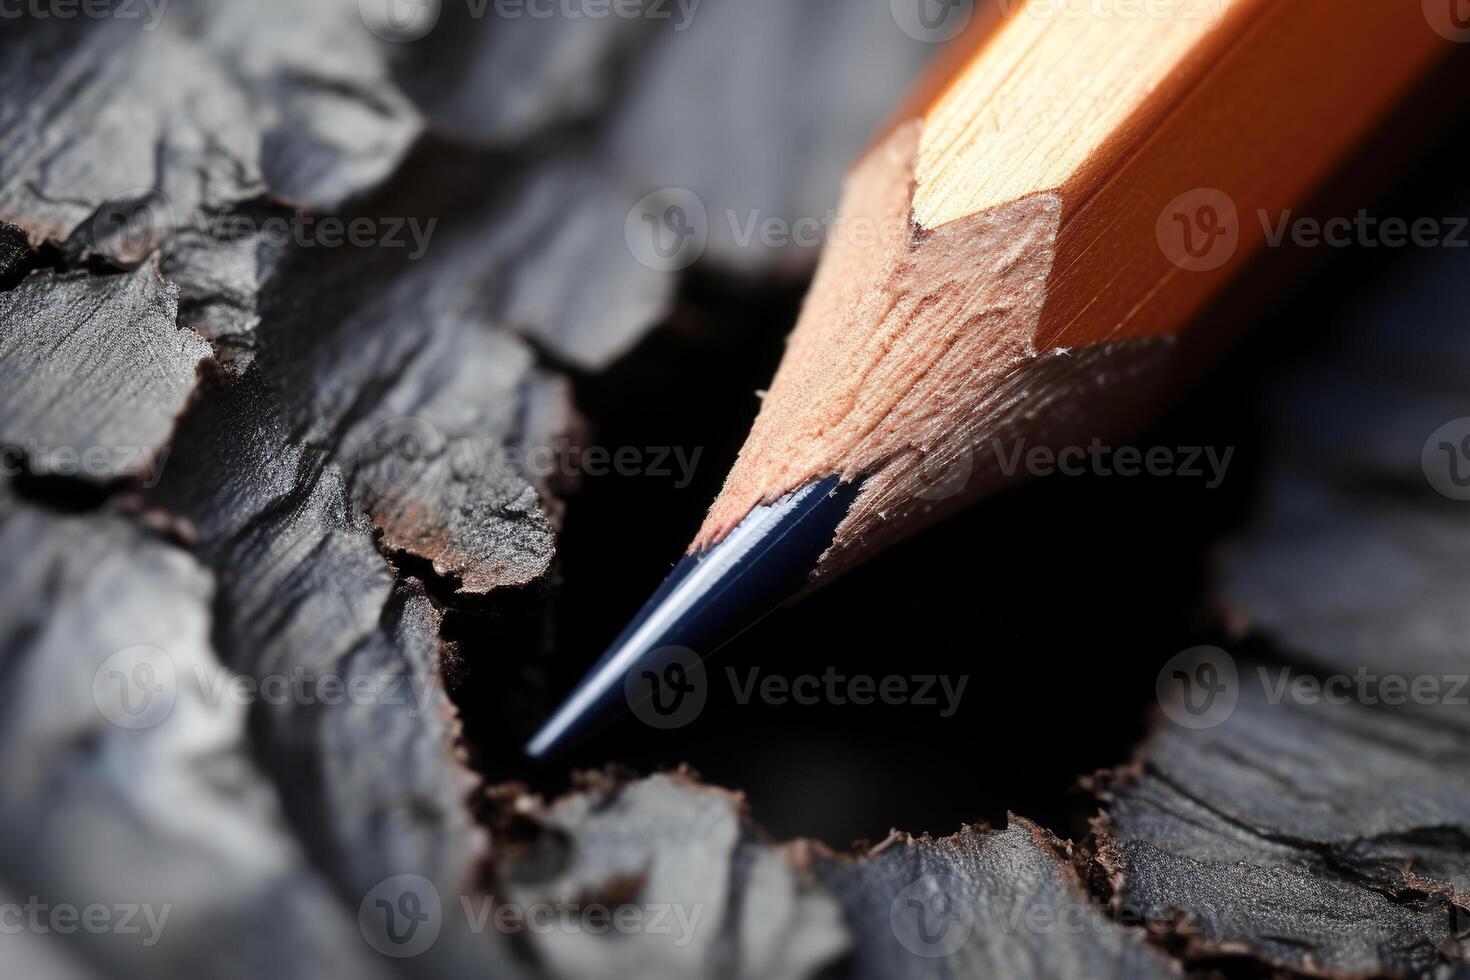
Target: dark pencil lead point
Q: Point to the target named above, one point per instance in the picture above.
(706, 600)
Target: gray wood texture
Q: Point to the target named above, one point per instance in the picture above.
(338, 434)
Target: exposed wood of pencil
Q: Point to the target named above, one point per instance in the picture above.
(1005, 262)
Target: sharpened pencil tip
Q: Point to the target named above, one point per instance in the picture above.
(705, 601)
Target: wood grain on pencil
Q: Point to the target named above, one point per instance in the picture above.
(1005, 260)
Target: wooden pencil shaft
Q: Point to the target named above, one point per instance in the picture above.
(1068, 199)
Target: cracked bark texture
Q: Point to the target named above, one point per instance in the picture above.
(1016, 907)
(96, 366)
(101, 806)
(356, 417)
(1330, 835)
(347, 433)
(740, 909)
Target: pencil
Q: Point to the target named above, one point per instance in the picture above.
(1015, 255)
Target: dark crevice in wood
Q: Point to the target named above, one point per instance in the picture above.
(65, 494)
(18, 258)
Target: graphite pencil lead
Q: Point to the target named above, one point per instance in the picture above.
(708, 598)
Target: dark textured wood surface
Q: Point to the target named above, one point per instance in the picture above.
(345, 481)
(98, 365)
(1330, 833)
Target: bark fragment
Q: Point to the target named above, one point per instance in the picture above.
(982, 902)
(1323, 824)
(93, 372)
(129, 777)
